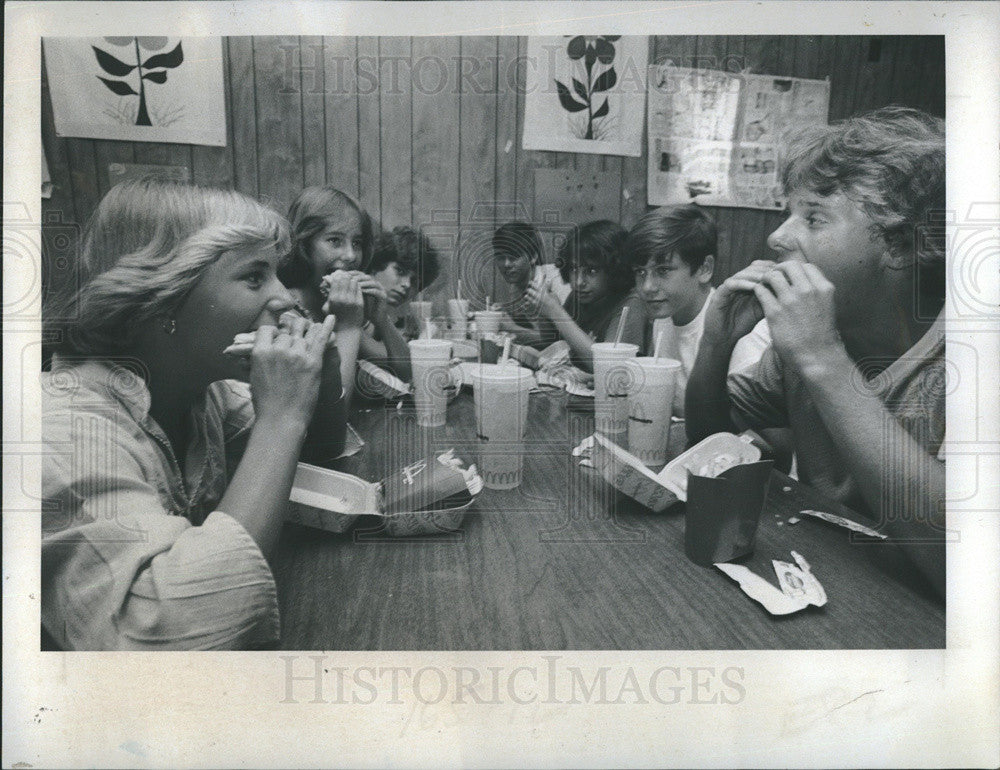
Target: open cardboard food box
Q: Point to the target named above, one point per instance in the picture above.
(375, 382)
(426, 497)
(658, 491)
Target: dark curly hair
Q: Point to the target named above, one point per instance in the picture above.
(412, 253)
(597, 245)
(519, 238)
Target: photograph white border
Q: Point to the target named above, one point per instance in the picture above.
(800, 708)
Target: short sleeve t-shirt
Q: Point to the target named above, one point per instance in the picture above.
(912, 389)
(681, 343)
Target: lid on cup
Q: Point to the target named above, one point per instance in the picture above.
(649, 362)
(622, 349)
(499, 373)
(424, 345)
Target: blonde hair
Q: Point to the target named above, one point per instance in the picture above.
(891, 161)
(143, 250)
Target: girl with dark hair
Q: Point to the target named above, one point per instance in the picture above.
(520, 258)
(405, 263)
(603, 288)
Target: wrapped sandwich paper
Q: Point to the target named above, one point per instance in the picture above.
(799, 587)
(430, 495)
(554, 370)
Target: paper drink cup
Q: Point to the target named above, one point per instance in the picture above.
(429, 361)
(650, 398)
(458, 311)
(488, 321)
(421, 310)
(501, 395)
(611, 380)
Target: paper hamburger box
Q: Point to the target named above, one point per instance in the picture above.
(374, 381)
(329, 500)
(437, 481)
(658, 491)
(333, 501)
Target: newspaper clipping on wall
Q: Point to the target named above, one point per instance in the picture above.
(716, 136)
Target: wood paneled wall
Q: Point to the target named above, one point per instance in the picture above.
(427, 127)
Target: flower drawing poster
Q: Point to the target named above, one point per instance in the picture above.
(147, 89)
(586, 93)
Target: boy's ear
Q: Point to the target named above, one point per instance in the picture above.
(707, 269)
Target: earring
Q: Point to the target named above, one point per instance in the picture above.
(169, 325)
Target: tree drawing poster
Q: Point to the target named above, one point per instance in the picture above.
(146, 89)
(586, 93)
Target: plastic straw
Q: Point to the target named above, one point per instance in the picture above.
(621, 326)
(458, 291)
(487, 301)
(659, 344)
(429, 327)
(506, 352)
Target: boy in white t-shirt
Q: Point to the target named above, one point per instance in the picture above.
(672, 253)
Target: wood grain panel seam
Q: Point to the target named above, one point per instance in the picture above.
(357, 109)
(227, 83)
(302, 113)
(413, 215)
(256, 133)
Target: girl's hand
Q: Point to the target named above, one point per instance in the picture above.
(286, 368)
(344, 299)
(735, 310)
(798, 303)
(507, 324)
(376, 297)
(540, 297)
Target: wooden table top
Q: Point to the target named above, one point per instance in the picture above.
(565, 562)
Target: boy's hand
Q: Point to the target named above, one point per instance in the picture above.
(509, 325)
(798, 303)
(735, 310)
(344, 299)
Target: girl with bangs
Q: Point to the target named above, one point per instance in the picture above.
(404, 263)
(602, 291)
(168, 463)
(332, 238)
